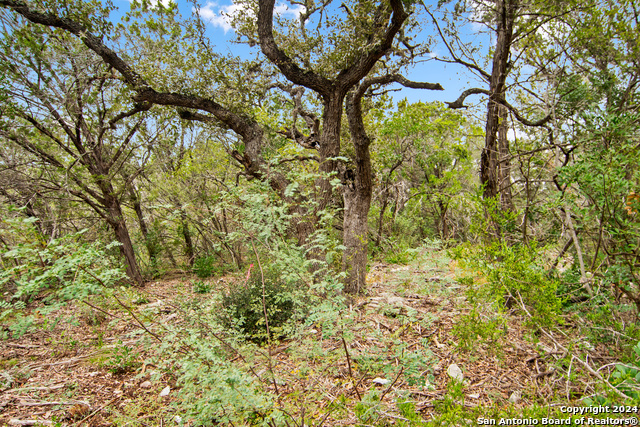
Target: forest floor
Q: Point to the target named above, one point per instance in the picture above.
(92, 363)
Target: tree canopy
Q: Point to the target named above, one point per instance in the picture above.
(130, 137)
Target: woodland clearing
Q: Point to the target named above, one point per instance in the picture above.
(95, 364)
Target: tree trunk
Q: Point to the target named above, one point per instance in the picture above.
(357, 201)
(329, 146)
(186, 234)
(504, 165)
(383, 208)
(117, 223)
(444, 227)
(152, 249)
(505, 15)
(490, 176)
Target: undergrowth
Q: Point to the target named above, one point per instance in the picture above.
(262, 306)
(52, 272)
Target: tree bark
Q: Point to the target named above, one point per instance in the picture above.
(357, 200)
(186, 234)
(489, 164)
(383, 208)
(504, 165)
(444, 226)
(491, 177)
(116, 221)
(152, 248)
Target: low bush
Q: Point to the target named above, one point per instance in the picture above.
(245, 306)
(201, 287)
(515, 279)
(205, 266)
(479, 327)
(65, 268)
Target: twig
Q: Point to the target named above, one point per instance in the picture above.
(275, 382)
(137, 320)
(587, 367)
(53, 387)
(395, 417)
(34, 403)
(392, 384)
(290, 416)
(266, 317)
(98, 410)
(64, 362)
(569, 377)
(94, 276)
(611, 331)
(355, 386)
(21, 345)
(17, 422)
(344, 343)
(103, 311)
(327, 414)
(264, 303)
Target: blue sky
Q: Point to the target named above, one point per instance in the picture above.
(454, 78)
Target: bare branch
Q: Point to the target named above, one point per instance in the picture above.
(459, 103)
(396, 78)
(455, 57)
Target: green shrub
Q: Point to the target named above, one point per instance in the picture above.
(626, 379)
(123, 360)
(65, 268)
(515, 276)
(201, 287)
(204, 266)
(478, 327)
(245, 306)
(402, 257)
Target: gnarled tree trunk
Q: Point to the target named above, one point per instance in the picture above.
(357, 200)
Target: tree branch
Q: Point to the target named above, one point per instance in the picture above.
(145, 93)
(348, 77)
(459, 103)
(456, 59)
(395, 78)
(276, 55)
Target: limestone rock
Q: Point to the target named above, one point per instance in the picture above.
(455, 372)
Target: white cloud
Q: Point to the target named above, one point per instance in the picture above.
(165, 3)
(286, 10)
(154, 3)
(477, 15)
(222, 16)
